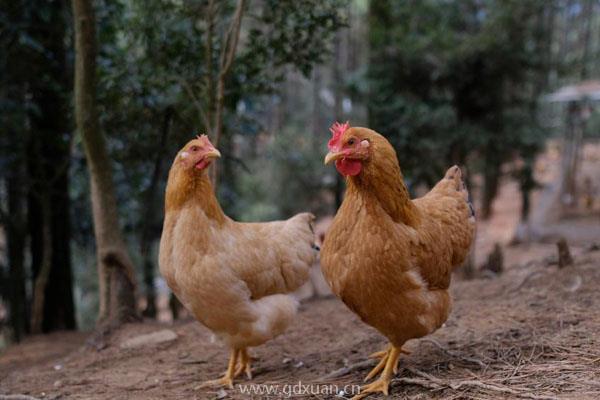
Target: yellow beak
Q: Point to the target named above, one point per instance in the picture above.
(214, 153)
(332, 156)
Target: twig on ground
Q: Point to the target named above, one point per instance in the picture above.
(455, 355)
(525, 280)
(436, 383)
(419, 382)
(346, 370)
(193, 361)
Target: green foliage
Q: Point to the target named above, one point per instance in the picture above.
(451, 79)
(153, 61)
(289, 32)
(285, 179)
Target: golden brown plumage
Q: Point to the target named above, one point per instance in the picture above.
(233, 277)
(387, 257)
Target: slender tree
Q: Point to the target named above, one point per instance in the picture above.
(49, 153)
(17, 295)
(115, 270)
(149, 221)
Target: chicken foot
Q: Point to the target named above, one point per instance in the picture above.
(239, 361)
(384, 355)
(389, 365)
(227, 379)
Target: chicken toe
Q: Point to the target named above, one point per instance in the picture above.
(383, 354)
(227, 379)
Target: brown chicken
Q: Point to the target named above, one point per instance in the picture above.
(233, 277)
(387, 257)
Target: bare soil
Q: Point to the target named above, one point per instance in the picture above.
(531, 333)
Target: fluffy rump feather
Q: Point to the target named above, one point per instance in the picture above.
(273, 315)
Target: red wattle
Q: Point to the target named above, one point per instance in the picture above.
(348, 167)
(202, 164)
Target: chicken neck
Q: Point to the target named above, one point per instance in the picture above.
(381, 179)
(185, 187)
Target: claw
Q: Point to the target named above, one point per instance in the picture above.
(378, 354)
(224, 381)
(377, 369)
(380, 385)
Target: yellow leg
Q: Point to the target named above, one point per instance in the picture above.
(245, 364)
(226, 380)
(390, 361)
(379, 367)
(383, 354)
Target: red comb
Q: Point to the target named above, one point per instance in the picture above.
(204, 139)
(337, 130)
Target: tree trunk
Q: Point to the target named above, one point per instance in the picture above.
(338, 110)
(571, 155)
(115, 270)
(490, 187)
(14, 130)
(149, 218)
(228, 51)
(59, 307)
(15, 238)
(48, 167)
(49, 225)
(208, 54)
(587, 15)
(316, 126)
(527, 185)
(41, 280)
(564, 254)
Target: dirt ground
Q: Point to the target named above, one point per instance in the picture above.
(531, 332)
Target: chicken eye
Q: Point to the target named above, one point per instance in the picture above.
(194, 148)
(351, 141)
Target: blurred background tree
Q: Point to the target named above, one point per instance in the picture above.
(448, 82)
(460, 80)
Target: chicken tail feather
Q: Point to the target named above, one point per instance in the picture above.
(454, 175)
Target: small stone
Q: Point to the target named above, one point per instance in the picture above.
(57, 384)
(287, 360)
(58, 367)
(298, 364)
(221, 394)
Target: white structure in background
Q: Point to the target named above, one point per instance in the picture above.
(579, 99)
